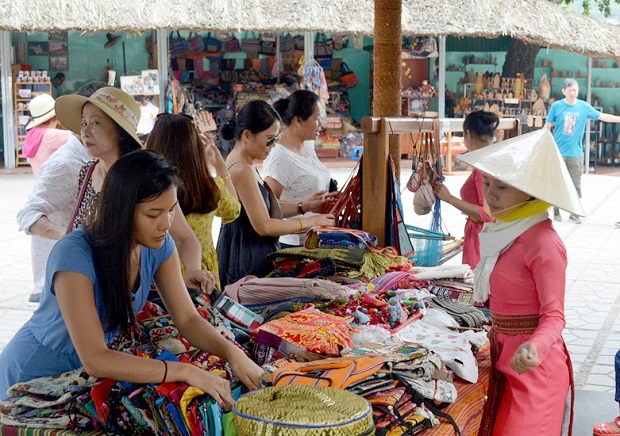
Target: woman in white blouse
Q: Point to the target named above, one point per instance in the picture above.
(292, 170)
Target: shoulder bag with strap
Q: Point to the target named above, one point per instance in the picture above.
(81, 194)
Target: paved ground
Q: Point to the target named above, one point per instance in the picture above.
(592, 286)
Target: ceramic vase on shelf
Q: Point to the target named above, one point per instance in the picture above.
(517, 86)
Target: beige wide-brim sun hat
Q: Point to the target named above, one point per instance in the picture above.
(116, 104)
(531, 163)
(41, 109)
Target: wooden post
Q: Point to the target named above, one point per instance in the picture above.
(374, 179)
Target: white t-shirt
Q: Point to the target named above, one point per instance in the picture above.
(300, 176)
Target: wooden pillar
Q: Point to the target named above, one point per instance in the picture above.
(386, 103)
(387, 66)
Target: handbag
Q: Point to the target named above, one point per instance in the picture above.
(195, 42)
(80, 197)
(267, 47)
(212, 45)
(347, 77)
(233, 45)
(251, 44)
(178, 45)
(287, 44)
(323, 47)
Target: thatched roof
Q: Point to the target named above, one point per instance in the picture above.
(536, 21)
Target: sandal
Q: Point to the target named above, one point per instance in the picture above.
(606, 429)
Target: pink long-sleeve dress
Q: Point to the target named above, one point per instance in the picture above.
(528, 279)
(472, 192)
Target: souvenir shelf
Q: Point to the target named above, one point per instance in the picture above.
(25, 89)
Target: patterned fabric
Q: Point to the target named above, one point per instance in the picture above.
(309, 329)
(118, 106)
(87, 207)
(303, 410)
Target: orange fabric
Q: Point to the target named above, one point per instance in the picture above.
(337, 372)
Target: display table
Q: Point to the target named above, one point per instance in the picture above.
(467, 410)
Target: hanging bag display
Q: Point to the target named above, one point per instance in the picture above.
(347, 77)
(287, 44)
(178, 45)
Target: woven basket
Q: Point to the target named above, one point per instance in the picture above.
(303, 411)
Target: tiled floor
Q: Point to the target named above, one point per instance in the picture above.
(592, 281)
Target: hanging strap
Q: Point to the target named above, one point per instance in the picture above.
(89, 173)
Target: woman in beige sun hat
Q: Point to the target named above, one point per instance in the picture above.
(521, 276)
(106, 123)
(42, 136)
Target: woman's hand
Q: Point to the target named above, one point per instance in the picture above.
(201, 279)
(209, 383)
(248, 373)
(205, 122)
(213, 154)
(525, 358)
(442, 192)
(321, 220)
(316, 202)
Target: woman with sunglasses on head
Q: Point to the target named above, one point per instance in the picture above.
(201, 196)
(98, 278)
(106, 123)
(244, 243)
(292, 169)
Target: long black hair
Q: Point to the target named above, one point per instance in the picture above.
(256, 116)
(136, 177)
(300, 103)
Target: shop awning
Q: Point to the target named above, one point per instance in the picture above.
(536, 21)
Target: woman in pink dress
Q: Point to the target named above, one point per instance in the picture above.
(478, 131)
(42, 136)
(521, 277)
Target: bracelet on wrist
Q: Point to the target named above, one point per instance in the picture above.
(301, 224)
(226, 177)
(300, 208)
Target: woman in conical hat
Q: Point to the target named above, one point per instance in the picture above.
(521, 277)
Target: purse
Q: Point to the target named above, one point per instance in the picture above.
(233, 45)
(267, 47)
(80, 197)
(177, 45)
(212, 45)
(196, 43)
(347, 77)
(287, 44)
(251, 44)
(337, 237)
(323, 47)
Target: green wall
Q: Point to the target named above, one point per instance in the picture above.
(88, 58)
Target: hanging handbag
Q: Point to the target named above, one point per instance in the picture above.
(323, 47)
(212, 45)
(195, 42)
(340, 41)
(233, 45)
(347, 77)
(267, 47)
(251, 44)
(299, 42)
(287, 44)
(178, 45)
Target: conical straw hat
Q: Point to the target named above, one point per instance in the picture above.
(532, 164)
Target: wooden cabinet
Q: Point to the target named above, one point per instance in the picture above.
(23, 92)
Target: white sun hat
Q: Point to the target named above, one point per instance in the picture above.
(41, 109)
(531, 163)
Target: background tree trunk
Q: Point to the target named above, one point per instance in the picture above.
(520, 59)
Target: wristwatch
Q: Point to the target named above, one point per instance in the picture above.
(300, 208)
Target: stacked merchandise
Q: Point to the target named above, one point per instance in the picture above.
(341, 314)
